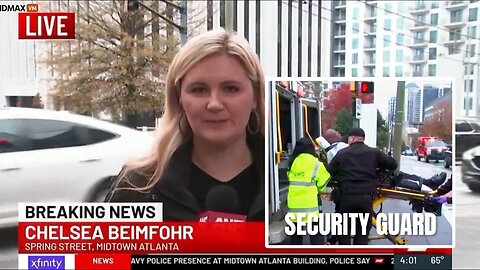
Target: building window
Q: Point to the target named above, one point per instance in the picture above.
(433, 36)
(386, 57)
(453, 49)
(470, 103)
(432, 53)
(470, 86)
(400, 39)
(472, 31)
(386, 41)
(386, 71)
(399, 56)
(355, 43)
(456, 16)
(356, 13)
(354, 72)
(399, 71)
(472, 14)
(355, 58)
(471, 50)
(388, 7)
(432, 70)
(387, 24)
(400, 23)
(435, 4)
(434, 19)
(455, 34)
(356, 28)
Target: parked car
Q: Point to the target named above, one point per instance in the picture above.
(407, 152)
(467, 135)
(60, 157)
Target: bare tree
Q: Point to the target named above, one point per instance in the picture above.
(118, 61)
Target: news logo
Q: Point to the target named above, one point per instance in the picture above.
(379, 260)
(46, 25)
(46, 262)
(19, 8)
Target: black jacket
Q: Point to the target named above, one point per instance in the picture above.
(172, 189)
(355, 167)
(446, 188)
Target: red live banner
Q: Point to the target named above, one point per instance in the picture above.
(46, 25)
(163, 237)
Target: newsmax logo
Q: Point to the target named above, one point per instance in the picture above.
(19, 8)
(46, 25)
(46, 262)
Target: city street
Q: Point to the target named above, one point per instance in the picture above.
(467, 223)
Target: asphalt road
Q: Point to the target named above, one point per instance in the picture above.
(8, 249)
(467, 223)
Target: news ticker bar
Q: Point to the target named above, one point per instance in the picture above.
(354, 261)
(327, 261)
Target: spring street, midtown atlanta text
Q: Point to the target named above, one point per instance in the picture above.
(335, 223)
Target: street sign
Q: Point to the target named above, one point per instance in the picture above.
(358, 108)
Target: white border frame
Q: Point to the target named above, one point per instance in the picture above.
(374, 79)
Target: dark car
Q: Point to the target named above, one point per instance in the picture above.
(467, 135)
(471, 169)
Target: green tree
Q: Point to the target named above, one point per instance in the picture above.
(343, 123)
(382, 132)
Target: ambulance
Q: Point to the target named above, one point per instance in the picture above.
(431, 148)
(292, 113)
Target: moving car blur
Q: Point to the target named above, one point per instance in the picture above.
(58, 156)
(467, 135)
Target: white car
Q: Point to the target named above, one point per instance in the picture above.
(60, 157)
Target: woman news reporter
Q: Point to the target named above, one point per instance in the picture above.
(211, 134)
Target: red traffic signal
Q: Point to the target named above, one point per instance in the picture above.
(366, 87)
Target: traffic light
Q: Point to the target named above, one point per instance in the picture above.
(132, 5)
(353, 87)
(366, 87)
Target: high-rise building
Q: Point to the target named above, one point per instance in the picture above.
(410, 39)
(414, 106)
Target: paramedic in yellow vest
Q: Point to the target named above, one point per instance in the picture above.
(307, 177)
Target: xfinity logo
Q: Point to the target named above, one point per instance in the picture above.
(46, 262)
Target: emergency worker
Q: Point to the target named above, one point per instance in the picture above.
(307, 177)
(355, 170)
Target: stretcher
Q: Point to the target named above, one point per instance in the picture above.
(418, 199)
(421, 199)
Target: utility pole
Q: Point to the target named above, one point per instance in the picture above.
(355, 106)
(466, 80)
(397, 136)
(229, 15)
(182, 8)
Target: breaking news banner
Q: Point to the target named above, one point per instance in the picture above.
(125, 235)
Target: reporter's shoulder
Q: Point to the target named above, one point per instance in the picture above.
(127, 187)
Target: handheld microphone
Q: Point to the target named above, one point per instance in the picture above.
(221, 203)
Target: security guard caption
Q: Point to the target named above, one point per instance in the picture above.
(337, 223)
(250, 260)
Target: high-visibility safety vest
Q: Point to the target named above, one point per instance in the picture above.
(306, 178)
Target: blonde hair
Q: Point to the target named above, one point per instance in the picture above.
(171, 136)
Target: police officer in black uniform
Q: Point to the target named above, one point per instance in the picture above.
(355, 170)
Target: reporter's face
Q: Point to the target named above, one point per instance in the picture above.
(217, 97)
